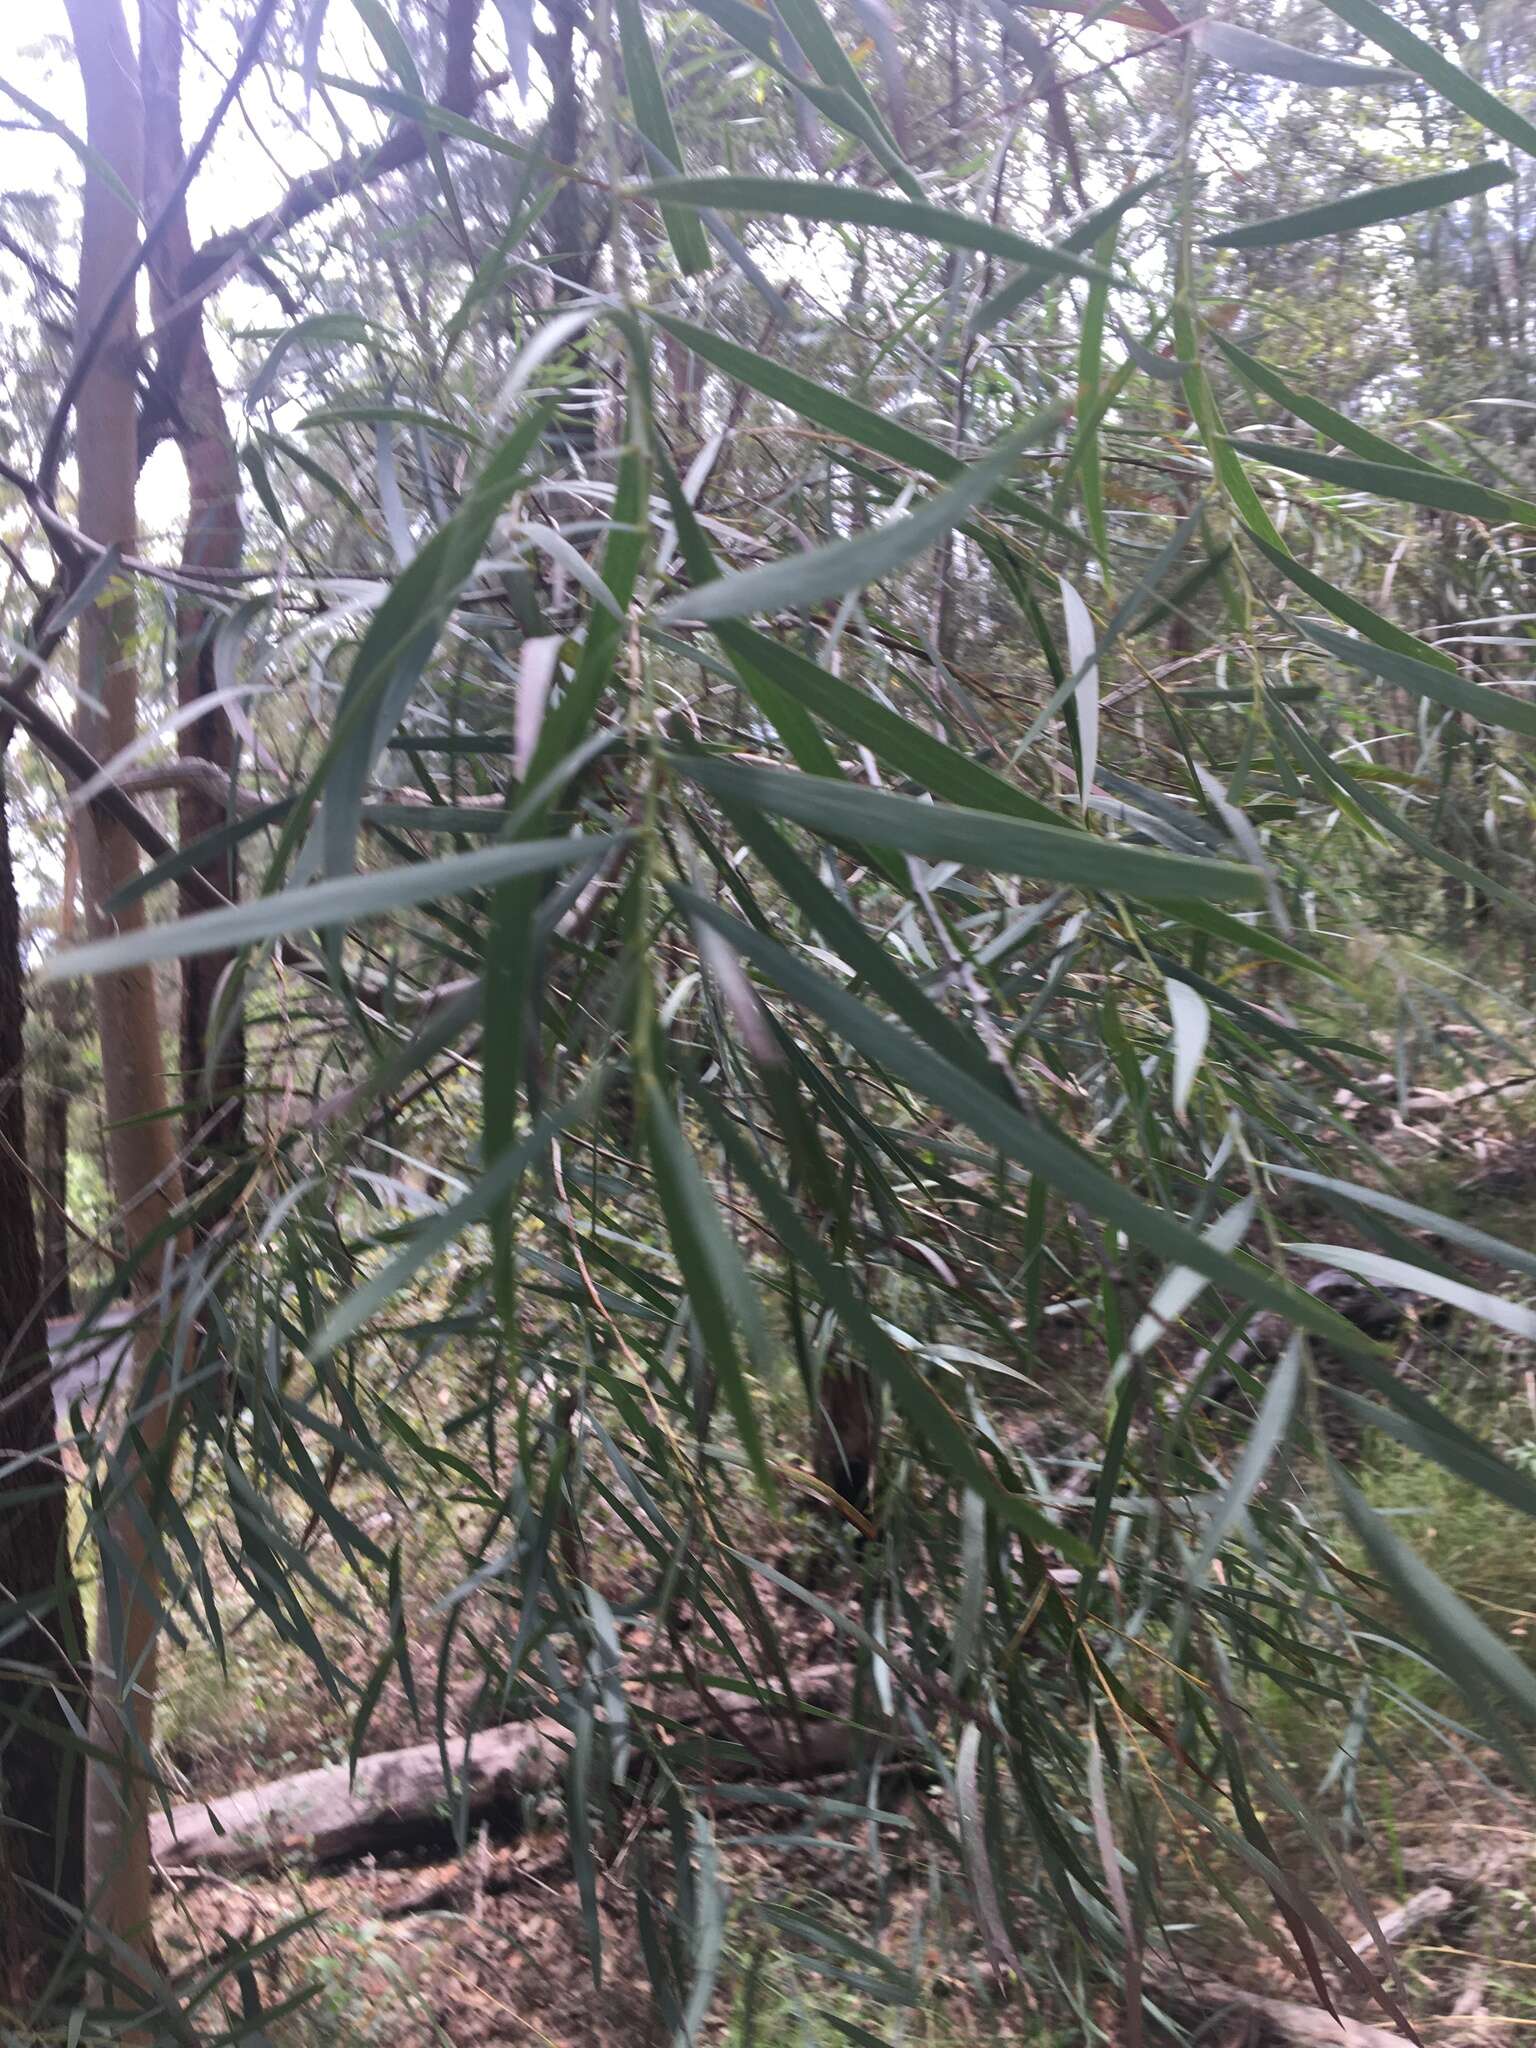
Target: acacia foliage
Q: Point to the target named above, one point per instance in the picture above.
(807, 691)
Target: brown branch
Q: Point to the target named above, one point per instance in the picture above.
(49, 279)
(406, 143)
(79, 766)
(204, 778)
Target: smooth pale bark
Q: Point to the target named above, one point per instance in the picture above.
(141, 1144)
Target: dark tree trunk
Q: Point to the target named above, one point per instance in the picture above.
(57, 1076)
(41, 1784)
(847, 1432)
(212, 1070)
(570, 252)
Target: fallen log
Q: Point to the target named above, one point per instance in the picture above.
(399, 1800)
(398, 1797)
(1297, 2026)
(1425, 1909)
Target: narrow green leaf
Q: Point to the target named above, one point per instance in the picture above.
(325, 906)
(1469, 1652)
(845, 565)
(399, 641)
(508, 957)
(1366, 209)
(857, 206)
(1244, 49)
(841, 415)
(396, 415)
(1381, 1271)
(845, 934)
(828, 59)
(1409, 486)
(1085, 457)
(1367, 807)
(899, 742)
(720, 1290)
(850, 111)
(1466, 1234)
(925, 1409)
(982, 839)
(1270, 1427)
(1469, 1462)
(746, 647)
(1026, 1139)
(1457, 693)
(446, 1226)
(1344, 607)
(1262, 376)
(654, 120)
(1087, 234)
(1235, 931)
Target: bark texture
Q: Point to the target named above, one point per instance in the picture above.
(317, 1817)
(141, 1150)
(212, 1074)
(847, 1431)
(40, 1822)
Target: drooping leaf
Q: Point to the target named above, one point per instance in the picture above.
(1366, 209)
(1384, 1272)
(1191, 1033)
(982, 839)
(1458, 693)
(847, 565)
(1470, 1654)
(654, 120)
(1244, 49)
(1263, 1444)
(1082, 653)
(326, 906)
(1029, 1141)
(719, 1288)
(1410, 485)
(1262, 376)
(857, 206)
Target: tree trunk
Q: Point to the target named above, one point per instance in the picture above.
(140, 1148)
(847, 1431)
(53, 1180)
(212, 1076)
(40, 1827)
(61, 1012)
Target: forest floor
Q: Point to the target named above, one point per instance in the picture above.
(417, 1950)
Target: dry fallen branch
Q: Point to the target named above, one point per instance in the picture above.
(319, 1817)
(1298, 2026)
(399, 1800)
(1425, 1909)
